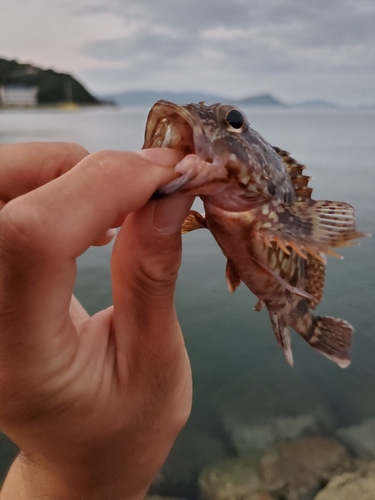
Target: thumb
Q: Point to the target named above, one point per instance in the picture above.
(145, 262)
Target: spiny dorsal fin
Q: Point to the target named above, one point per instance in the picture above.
(233, 279)
(193, 221)
(295, 171)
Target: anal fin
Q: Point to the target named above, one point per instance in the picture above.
(282, 335)
(193, 221)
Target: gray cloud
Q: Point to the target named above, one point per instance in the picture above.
(241, 37)
(187, 15)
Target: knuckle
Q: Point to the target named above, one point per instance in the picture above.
(74, 153)
(77, 149)
(18, 228)
(158, 276)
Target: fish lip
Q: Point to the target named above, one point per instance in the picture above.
(164, 109)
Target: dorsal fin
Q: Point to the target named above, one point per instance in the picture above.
(295, 171)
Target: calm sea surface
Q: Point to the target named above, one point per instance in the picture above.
(239, 370)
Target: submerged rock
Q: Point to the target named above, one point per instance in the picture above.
(254, 436)
(360, 439)
(232, 479)
(294, 470)
(351, 486)
(289, 428)
(298, 469)
(261, 435)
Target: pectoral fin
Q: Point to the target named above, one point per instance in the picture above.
(193, 221)
(310, 227)
(233, 279)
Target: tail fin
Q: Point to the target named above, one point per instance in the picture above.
(332, 337)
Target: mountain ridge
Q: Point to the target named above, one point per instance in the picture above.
(148, 97)
(141, 98)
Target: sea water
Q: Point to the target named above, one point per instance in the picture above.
(239, 372)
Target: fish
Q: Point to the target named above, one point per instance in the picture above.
(259, 209)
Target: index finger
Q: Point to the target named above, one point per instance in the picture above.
(66, 216)
(26, 166)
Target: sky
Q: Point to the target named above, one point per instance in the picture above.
(296, 50)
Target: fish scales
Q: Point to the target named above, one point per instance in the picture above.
(259, 209)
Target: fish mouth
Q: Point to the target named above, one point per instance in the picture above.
(172, 126)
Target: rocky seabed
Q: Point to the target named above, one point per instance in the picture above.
(286, 458)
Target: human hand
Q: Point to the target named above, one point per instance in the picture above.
(94, 403)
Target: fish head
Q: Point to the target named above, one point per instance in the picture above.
(225, 159)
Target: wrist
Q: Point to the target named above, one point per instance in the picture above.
(28, 481)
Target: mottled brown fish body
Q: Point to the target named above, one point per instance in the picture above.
(259, 209)
(234, 233)
(250, 257)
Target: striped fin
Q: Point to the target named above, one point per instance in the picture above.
(310, 227)
(295, 171)
(282, 335)
(282, 281)
(193, 221)
(332, 337)
(315, 276)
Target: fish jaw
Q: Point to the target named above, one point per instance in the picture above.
(173, 126)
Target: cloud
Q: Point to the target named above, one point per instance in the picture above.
(266, 36)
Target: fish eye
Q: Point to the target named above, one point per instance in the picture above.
(235, 119)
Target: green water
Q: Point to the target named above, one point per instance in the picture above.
(238, 367)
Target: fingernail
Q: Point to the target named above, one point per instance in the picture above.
(170, 213)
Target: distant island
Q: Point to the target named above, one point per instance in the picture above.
(144, 98)
(51, 87)
(148, 97)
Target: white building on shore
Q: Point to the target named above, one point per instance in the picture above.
(18, 96)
